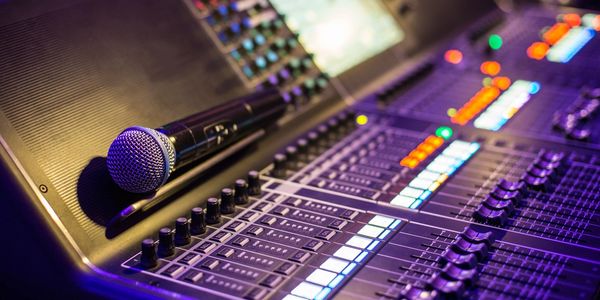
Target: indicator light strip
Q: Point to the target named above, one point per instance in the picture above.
(507, 105)
(422, 151)
(570, 44)
(329, 275)
(435, 174)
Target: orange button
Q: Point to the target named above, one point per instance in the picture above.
(436, 141)
(426, 148)
(418, 154)
(409, 162)
(501, 82)
(555, 33)
(538, 50)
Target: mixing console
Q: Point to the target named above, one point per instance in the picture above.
(472, 173)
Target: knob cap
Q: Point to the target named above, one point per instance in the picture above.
(165, 242)
(302, 146)
(241, 192)
(213, 211)
(182, 232)
(198, 224)
(313, 142)
(227, 202)
(254, 183)
(291, 154)
(148, 259)
(279, 165)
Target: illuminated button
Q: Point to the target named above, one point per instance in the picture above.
(236, 55)
(321, 277)
(336, 281)
(412, 192)
(495, 41)
(323, 294)
(420, 183)
(347, 253)
(538, 50)
(361, 256)
(381, 221)
(260, 39)
(359, 242)
(307, 290)
(434, 140)
(334, 265)
(418, 154)
(349, 268)
(422, 197)
(292, 297)
(426, 148)
(491, 68)
(402, 201)
(425, 174)
(373, 245)
(248, 45)
(272, 56)
(370, 231)
(555, 33)
(409, 162)
(453, 56)
(416, 204)
(248, 71)
(260, 62)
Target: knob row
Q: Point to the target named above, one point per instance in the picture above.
(459, 262)
(573, 121)
(199, 218)
(296, 156)
(501, 202)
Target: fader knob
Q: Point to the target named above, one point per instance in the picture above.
(254, 183)
(148, 258)
(182, 231)
(227, 202)
(166, 245)
(213, 211)
(241, 192)
(198, 224)
(279, 165)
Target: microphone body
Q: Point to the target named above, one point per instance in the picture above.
(141, 159)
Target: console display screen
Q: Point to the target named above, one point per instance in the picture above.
(341, 33)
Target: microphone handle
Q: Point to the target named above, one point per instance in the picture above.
(209, 131)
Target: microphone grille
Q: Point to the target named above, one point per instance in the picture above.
(140, 159)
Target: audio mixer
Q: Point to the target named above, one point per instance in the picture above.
(373, 150)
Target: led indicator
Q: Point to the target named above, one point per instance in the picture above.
(451, 112)
(491, 68)
(487, 81)
(534, 87)
(501, 82)
(453, 56)
(572, 19)
(538, 50)
(362, 120)
(444, 132)
(495, 41)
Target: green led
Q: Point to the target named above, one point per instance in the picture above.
(495, 41)
(444, 132)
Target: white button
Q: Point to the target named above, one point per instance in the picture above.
(421, 183)
(321, 277)
(402, 201)
(370, 231)
(428, 175)
(381, 221)
(411, 192)
(292, 297)
(347, 252)
(359, 242)
(334, 264)
(307, 290)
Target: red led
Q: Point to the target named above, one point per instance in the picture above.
(453, 56)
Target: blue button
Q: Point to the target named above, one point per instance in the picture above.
(260, 39)
(261, 62)
(272, 56)
(248, 45)
(247, 71)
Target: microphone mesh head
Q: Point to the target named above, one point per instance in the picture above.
(140, 159)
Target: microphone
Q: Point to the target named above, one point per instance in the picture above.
(141, 159)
